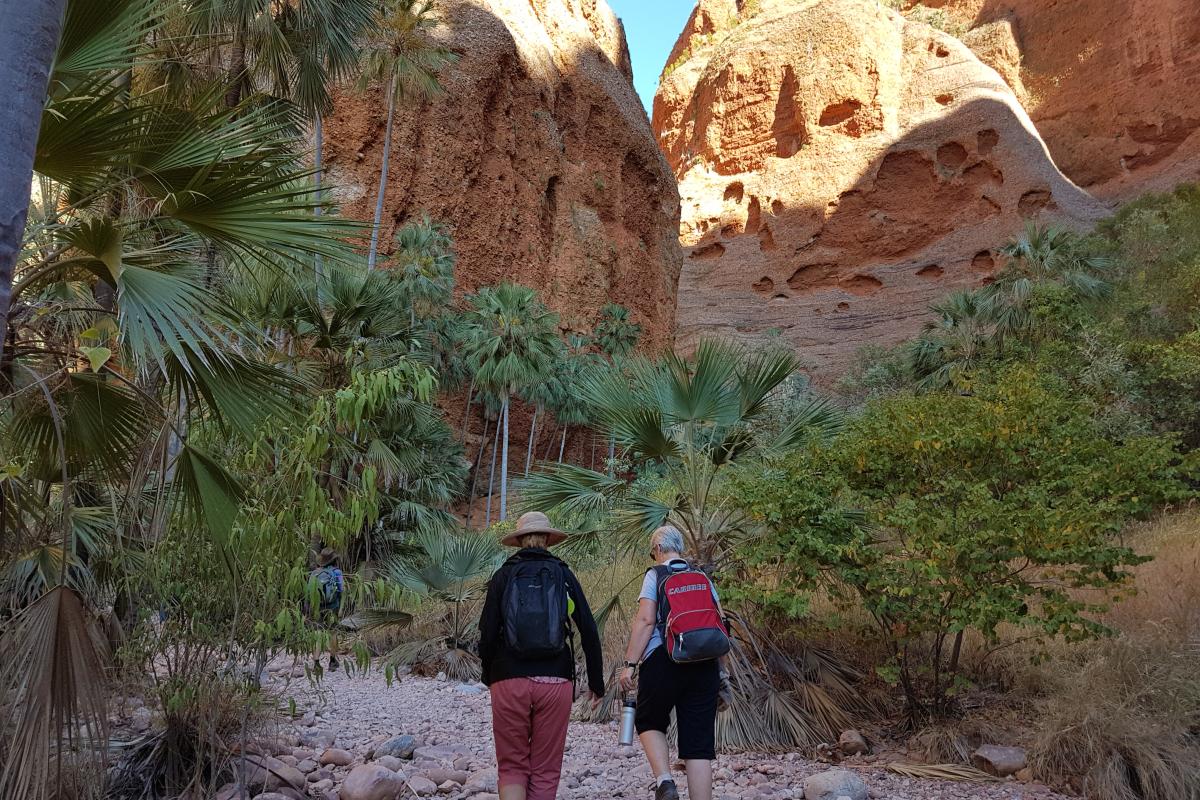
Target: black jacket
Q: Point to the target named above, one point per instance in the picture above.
(500, 663)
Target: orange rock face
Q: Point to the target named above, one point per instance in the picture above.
(1112, 84)
(539, 155)
(840, 167)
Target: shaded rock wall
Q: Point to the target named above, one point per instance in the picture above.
(539, 156)
(839, 169)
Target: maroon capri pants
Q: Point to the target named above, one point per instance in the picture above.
(529, 721)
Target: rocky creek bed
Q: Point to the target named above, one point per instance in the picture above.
(356, 738)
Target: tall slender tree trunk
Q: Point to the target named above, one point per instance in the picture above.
(562, 444)
(318, 146)
(612, 452)
(475, 471)
(27, 46)
(237, 67)
(550, 442)
(492, 477)
(467, 411)
(383, 171)
(532, 434)
(504, 465)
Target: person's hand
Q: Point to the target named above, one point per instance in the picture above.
(595, 699)
(725, 693)
(627, 679)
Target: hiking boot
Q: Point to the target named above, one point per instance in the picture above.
(666, 791)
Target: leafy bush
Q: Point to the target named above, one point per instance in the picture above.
(980, 511)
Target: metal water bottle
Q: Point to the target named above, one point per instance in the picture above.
(628, 712)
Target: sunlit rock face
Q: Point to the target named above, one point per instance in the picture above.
(840, 167)
(1110, 84)
(539, 156)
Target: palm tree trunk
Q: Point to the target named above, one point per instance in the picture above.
(475, 471)
(532, 434)
(550, 443)
(318, 146)
(383, 171)
(504, 465)
(562, 445)
(612, 452)
(237, 67)
(492, 477)
(26, 53)
(467, 412)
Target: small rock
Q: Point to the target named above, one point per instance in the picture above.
(485, 780)
(267, 774)
(306, 766)
(446, 787)
(398, 746)
(441, 752)
(321, 786)
(391, 762)
(999, 760)
(141, 719)
(318, 739)
(371, 782)
(421, 785)
(852, 743)
(337, 758)
(1024, 775)
(834, 784)
(440, 775)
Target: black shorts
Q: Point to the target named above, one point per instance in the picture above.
(690, 690)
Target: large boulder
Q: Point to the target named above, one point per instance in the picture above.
(835, 784)
(840, 167)
(263, 773)
(539, 155)
(999, 760)
(372, 782)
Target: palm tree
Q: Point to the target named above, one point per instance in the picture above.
(450, 569)
(401, 56)
(116, 344)
(26, 54)
(617, 335)
(689, 421)
(961, 336)
(511, 344)
(1043, 254)
(424, 267)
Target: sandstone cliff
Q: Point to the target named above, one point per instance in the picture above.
(1110, 84)
(840, 167)
(539, 156)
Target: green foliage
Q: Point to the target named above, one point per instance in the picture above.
(980, 511)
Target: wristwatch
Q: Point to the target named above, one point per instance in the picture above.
(631, 665)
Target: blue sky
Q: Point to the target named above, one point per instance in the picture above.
(651, 26)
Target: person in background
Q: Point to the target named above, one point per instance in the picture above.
(331, 585)
(691, 690)
(526, 646)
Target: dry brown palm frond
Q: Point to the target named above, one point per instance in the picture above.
(53, 662)
(942, 772)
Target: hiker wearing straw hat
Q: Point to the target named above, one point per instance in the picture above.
(527, 649)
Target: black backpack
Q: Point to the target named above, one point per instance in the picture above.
(535, 609)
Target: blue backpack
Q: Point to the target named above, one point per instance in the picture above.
(330, 584)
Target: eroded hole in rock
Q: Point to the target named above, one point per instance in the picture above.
(931, 272)
(1032, 202)
(766, 240)
(763, 285)
(709, 251)
(731, 230)
(842, 306)
(944, 99)
(951, 155)
(862, 285)
(837, 113)
(788, 126)
(988, 207)
(780, 296)
(983, 261)
(776, 207)
(986, 140)
(812, 276)
(734, 192)
(983, 173)
(753, 216)
(941, 51)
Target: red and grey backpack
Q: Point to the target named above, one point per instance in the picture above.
(688, 615)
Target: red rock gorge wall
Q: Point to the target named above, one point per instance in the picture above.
(840, 167)
(539, 156)
(1112, 85)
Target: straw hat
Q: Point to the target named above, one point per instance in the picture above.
(327, 557)
(534, 522)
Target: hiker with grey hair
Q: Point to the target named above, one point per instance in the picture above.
(675, 651)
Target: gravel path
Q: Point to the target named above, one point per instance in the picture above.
(452, 726)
